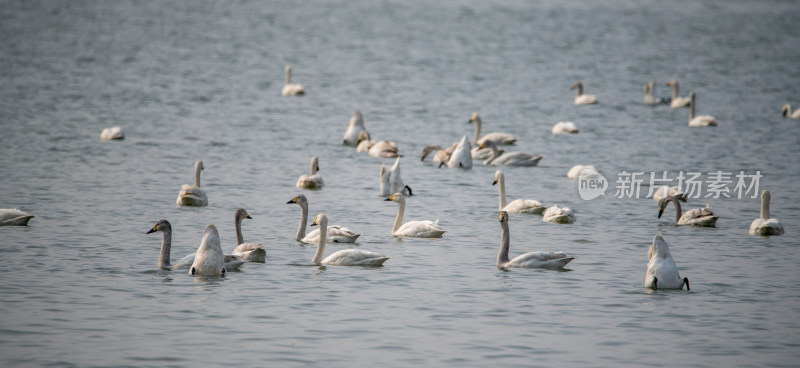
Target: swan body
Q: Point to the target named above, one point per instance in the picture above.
(765, 225)
(290, 89)
(582, 99)
(499, 139)
(558, 215)
(250, 252)
(354, 129)
(530, 206)
(231, 262)
(336, 233)
(575, 172)
(528, 260)
(391, 180)
(461, 157)
(380, 149)
(786, 111)
(509, 158)
(346, 257)
(440, 156)
(112, 133)
(696, 217)
(313, 180)
(565, 127)
(415, 229)
(677, 101)
(667, 191)
(192, 195)
(662, 272)
(699, 120)
(14, 217)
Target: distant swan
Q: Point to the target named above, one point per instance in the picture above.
(289, 88)
(251, 252)
(381, 149)
(354, 128)
(499, 139)
(418, 229)
(667, 191)
(14, 217)
(345, 257)
(786, 110)
(313, 180)
(662, 272)
(648, 93)
(441, 156)
(558, 215)
(509, 158)
(765, 225)
(677, 101)
(565, 127)
(336, 233)
(582, 99)
(575, 172)
(530, 206)
(700, 120)
(231, 262)
(527, 260)
(192, 195)
(391, 180)
(695, 217)
(461, 157)
(112, 133)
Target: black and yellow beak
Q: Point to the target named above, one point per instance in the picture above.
(660, 212)
(154, 229)
(494, 182)
(390, 198)
(293, 200)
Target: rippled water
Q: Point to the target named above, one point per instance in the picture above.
(202, 80)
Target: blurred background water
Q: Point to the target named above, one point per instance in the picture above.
(202, 80)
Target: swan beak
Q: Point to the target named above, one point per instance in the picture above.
(660, 212)
(317, 167)
(293, 200)
(389, 199)
(152, 230)
(248, 216)
(494, 182)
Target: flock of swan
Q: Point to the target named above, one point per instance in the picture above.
(210, 260)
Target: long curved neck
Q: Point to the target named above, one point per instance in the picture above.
(505, 240)
(288, 76)
(502, 188)
(384, 180)
(323, 229)
(239, 237)
(580, 89)
(398, 220)
(765, 206)
(493, 156)
(477, 129)
(301, 231)
(166, 244)
(675, 90)
(313, 167)
(197, 170)
(678, 210)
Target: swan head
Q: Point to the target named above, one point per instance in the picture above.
(315, 163)
(320, 220)
(785, 110)
(577, 85)
(427, 151)
(765, 196)
(488, 144)
(474, 118)
(161, 225)
(672, 82)
(662, 204)
(299, 199)
(503, 217)
(199, 165)
(363, 136)
(397, 197)
(498, 175)
(241, 214)
(288, 69)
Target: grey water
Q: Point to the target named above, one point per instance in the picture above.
(201, 80)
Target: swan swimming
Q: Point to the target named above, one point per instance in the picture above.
(499, 139)
(648, 93)
(530, 206)
(380, 149)
(575, 172)
(417, 229)
(509, 158)
(786, 111)
(662, 272)
(676, 101)
(14, 217)
(695, 217)
(391, 180)
(345, 257)
(528, 260)
(558, 215)
(192, 195)
(699, 120)
(582, 99)
(565, 127)
(461, 157)
(313, 180)
(290, 89)
(354, 129)
(250, 252)
(209, 259)
(336, 233)
(113, 133)
(231, 262)
(441, 156)
(765, 225)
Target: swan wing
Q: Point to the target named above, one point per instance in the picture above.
(540, 260)
(355, 257)
(191, 195)
(498, 139)
(530, 206)
(421, 229)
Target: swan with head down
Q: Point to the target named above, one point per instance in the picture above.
(509, 158)
(192, 195)
(565, 127)
(461, 156)
(416, 229)
(440, 156)
(555, 260)
(313, 180)
(290, 89)
(558, 215)
(766, 226)
(582, 99)
(662, 272)
(113, 133)
(354, 129)
(231, 262)
(786, 111)
(695, 217)
(345, 257)
(392, 181)
(336, 233)
(529, 206)
(14, 217)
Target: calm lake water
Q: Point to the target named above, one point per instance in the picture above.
(202, 80)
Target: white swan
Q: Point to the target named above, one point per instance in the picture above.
(786, 111)
(528, 260)
(231, 262)
(112, 133)
(290, 89)
(575, 172)
(765, 225)
(313, 180)
(14, 217)
(667, 191)
(662, 272)
(192, 195)
(582, 99)
(209, 259)
(354, 128)
(648, 93)
(380, 149)
(441, 156)
(699, 120)
(391, 180)
(499, 139)
(345, 257)
(695, 217)
(565, 127)
(417, 229)
(461, 157)
(530, 206)
(509, 158)
(677, 101)
(558, 215)
(250, 252)
(336, 233)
